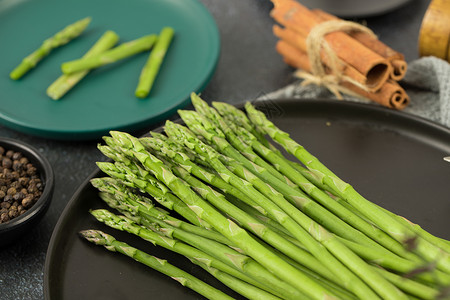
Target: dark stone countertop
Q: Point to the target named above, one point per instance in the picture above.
(248, 68)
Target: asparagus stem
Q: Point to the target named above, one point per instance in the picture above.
(322, 216)
(118, 196)
(187, 245)
(153, 64)
(238, 117)
(202, 126)
(346, 256)
(438, 242)
(179, 157)
(251, 224)
(296, 197)
(409, 286)
(223, 225)
(233, 259)
(110, 56)
(307, 232)
(65, 82)
(109, 242)
(152, 186)
(247, 290)
(344, 190)
(59, 39)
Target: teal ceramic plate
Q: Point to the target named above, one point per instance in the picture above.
(104, 99)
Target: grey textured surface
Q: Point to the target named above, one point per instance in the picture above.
(248, 68)
(427, 83)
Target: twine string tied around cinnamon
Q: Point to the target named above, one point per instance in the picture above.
(315, 42)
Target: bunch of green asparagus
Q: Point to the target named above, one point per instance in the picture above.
(102, 53)
(264, 225)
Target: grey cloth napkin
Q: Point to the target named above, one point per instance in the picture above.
(427, 82)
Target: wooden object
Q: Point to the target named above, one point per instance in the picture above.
(434, 35)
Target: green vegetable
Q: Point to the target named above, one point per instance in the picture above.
(67, 81)
(380, 218)
(110, 56)
(227, 227)
(117, 195)
(153, 64)
(59, 39)
(278, 226)
(316, 239)
(109, 242)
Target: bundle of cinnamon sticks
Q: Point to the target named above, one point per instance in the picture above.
(362, 63)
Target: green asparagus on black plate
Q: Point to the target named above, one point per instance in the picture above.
(266, 226)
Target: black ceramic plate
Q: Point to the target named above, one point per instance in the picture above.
(394, 159)
(355, 8)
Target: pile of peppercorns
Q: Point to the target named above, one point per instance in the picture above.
(20, 184)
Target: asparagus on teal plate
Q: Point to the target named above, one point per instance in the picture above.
(59, 39)
(67, 81)
(110, 56)
(153, 64)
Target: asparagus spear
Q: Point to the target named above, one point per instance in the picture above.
(152, 186)
(65, 82)
(59, 39)
(409, 286)
(402, 266)
(308, 232)
(233, 259)
(344, 190)
(250, 223)
(254, 226)
(202, 126)
(110, 56)
(187, 245)
(179, 157)
(317, 212)
(223, 225)
(119, 196)
(153, 64)
(109, 242)
(296, 197)
(363, 270)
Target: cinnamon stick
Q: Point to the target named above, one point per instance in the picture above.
(391, 94)
(293, 56)
(395, 58)
(298, 41)
(292, 14)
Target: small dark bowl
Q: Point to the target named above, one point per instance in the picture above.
(15, 228)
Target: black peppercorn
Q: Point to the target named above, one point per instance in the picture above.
(20, 184)
(6, 162)
(9, 153)
(16, 155)
(4, 218)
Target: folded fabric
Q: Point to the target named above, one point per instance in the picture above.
(427, 83)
